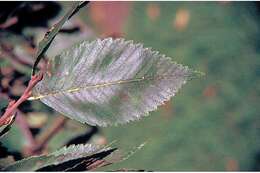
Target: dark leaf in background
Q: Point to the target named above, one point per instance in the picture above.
(28, 14)
(12, 85)
(6, 161)
(7, 157)
(130, 170)
(5, 128)
(50, 35)
(81, 164)
(4, 151)
(58, 158)
(73, 158)
(84, 137)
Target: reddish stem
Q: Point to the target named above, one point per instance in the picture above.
(9, 23)
(13, 105)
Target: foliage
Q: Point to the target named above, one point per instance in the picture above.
(101, 82)
(211, 125)
(62, 160)
(5, 128)
(109, 81)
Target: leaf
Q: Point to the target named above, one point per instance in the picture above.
(66, 39)
(50, 35)
(95, 161)
(130, 170)
(82, 164)
(62, 159)
(14, 140)
(5, 128)
(73, 158)
(120, 156)
(108, 81)
(6, 157)
(5, 161)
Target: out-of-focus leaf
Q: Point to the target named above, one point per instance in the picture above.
(120, 155)
(66, 157)
(3, 102)
(50, 35)
(108, 81)
(5, 128)
(12, 38)
(71, 130)
(36, 119)
(6, 161)
(4, 151)
(14, 140)
(129, 170)
(6, 157)
(64, 41)
(3, 105)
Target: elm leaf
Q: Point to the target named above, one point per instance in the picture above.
(109, 81)
(60, 159)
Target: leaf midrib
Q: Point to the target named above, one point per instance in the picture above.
(101, 85)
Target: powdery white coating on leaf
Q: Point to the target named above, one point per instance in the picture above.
(109, 81)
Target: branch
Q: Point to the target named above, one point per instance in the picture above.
(25, 129)
(9, 22)
(45, 137)
(13, 105)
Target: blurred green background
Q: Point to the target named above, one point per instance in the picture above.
(213, 123)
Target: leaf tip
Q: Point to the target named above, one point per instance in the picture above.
(197, 74)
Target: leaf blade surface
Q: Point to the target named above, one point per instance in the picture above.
(109, 81)
(57, 158)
